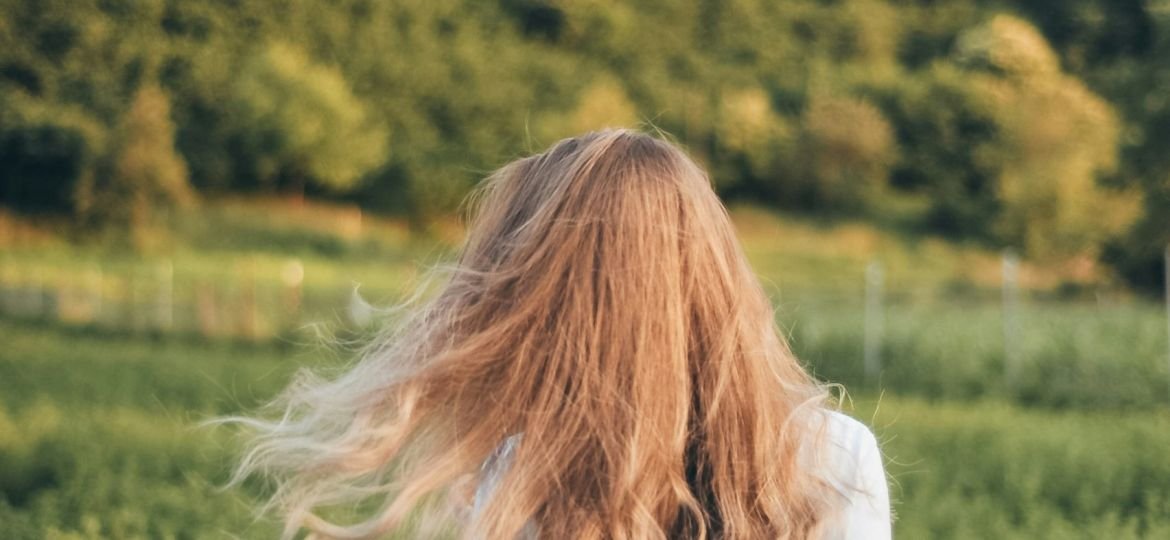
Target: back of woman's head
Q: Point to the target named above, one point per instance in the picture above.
(602, 307)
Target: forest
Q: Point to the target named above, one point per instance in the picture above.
(1042, 126)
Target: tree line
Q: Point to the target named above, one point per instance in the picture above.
(1040, 125)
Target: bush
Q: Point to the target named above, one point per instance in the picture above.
(46, 154)
(145, 175)
(299, 122)
(1009, 147)
(1056, 139)
(847, 146)
(947, 136)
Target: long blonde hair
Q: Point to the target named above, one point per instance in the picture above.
(602, 307)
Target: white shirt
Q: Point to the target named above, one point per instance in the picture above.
(854, 466)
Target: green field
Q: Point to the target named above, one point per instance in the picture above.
(97, 417)
(96, 441)
(959, 210)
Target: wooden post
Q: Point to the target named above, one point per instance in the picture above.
(1166, 285)
(94, 283)
(165, 297)
(134, 295)
(35, 298)
(1011, 270)
(248, 298)
(7, 286)
(874, 323)
(207, 309)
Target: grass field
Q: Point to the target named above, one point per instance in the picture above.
(96, 441)
(97, 436)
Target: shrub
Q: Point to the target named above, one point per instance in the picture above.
(145, 173)
(299, 122)
(46, 153)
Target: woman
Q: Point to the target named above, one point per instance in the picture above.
(600, 363)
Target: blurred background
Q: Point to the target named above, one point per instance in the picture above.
(961, 209)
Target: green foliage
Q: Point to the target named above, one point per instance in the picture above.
(987, 470)
(47, 153)
(1009, 147)
(97, 437)
(300, 121)
(1071, 355)
(1015, 135)
(1057, 138)
(145, 156)
(604, 103)
(145, 174)
(848, 145)
(948, 138)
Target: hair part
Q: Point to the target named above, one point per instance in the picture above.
(601, 306)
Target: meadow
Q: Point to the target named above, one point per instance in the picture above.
(98, 435)
(199, 197)
(97, 441)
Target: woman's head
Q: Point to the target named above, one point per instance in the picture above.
(602, 307)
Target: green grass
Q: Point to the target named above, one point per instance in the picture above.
(97, 436)
(1068, 354)
(234, 245)
(990, 470)
(943, 322)
(97, 441)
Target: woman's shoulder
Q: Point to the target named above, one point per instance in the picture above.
(853, 464)
(846, 444)
(851, 459)
(846, 431)
(849, 442)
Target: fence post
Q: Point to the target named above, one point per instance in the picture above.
(251, 323)
(35, 298)
(7, 286)
(139, 320)
(164, 299)
(94, 281)
(1011, 270)
(873, 322)
(207, 309)
(1166, 285)
(293, 277)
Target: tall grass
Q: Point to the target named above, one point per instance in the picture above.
(989, 470)
(96, 420)
(96, 441)
(1069, 354)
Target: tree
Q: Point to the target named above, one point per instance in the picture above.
(601, 104)
(47, 152)
(1056, 139)
(299, 122)
(1009, 147)
(948, 139)
(144, 175)
(848, 146)
(751, 130)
